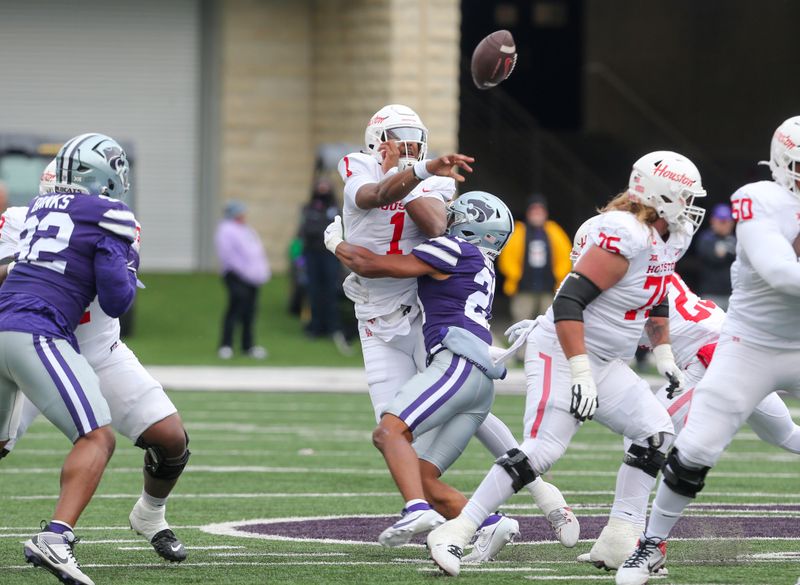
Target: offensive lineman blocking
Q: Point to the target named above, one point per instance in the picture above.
(761, 328)
(619, 280)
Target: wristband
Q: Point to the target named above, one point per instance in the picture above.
(10, 265)
(579, 365)
(420, 170)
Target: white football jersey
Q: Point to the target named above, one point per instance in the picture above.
(614, 321)
(97, 333)
(693, 322)
(384, 230)
(757, 312)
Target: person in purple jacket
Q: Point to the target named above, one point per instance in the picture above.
(244, 267)
(76, 244)
(456, 282)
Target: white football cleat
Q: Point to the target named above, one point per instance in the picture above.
(648, 557)
(415, 520)
(490, 540)
(614, 545)
(446, 544)
(53, 551)
(549, 500)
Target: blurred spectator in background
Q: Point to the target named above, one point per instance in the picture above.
(322, 268)
(244, 268)
(534, 262)
(716, 249)
(3, 197)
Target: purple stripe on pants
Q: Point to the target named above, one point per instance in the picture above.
(61, 389)
(87, 407)
(429, 392)
(449, 394)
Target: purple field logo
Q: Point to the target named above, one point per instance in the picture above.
(716, 521)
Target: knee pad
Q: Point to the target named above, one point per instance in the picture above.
(516, 464)
(683, 480)
(649, 459)
(158, 465)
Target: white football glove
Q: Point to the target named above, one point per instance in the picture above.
(525, 326)
(334, 234)
(666, 366)
(354, 290)
(584, 392)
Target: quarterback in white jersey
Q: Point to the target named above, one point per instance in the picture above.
(581, 347)
(394, 199)
(758, 350)
(694, 328)
(140, 409)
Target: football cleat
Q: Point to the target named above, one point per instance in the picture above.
(446, 544)
(648, 557)
(565, 526)
(151, 523)
(551, 502)
(614, 545)
(168, 547)
(490, 539)
(54, 552)
(414, 520)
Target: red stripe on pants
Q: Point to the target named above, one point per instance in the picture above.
(548, 371)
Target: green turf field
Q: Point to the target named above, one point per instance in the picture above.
(178, 318)
(283, 455)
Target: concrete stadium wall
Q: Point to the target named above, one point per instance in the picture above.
(295, 74)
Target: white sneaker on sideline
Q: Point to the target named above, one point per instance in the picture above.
(54, 552)
(257, 352)
(648, 557)
(490, 540)
(415, 520)
(614, 545)
(446, 544)
(225, 352)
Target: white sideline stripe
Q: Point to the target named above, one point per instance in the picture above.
(367, 471)
(244, 496)
(217, 547)
(277, 554)
(216, 564)
(589, 578)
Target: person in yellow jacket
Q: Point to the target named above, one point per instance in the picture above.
(534, 261)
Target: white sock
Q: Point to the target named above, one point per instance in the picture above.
(494, 490)
(496, 436)
(632, 494)
(152, 501)
(667, 509)
(546, 496)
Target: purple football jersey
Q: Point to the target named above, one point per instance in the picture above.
(463, 300)
(72, 248)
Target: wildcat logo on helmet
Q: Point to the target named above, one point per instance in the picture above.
(115, 157)
(478, 210)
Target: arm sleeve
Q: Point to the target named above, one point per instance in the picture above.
(116, 282)
(770, 254)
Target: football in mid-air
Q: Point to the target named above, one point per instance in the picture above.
(493, 59)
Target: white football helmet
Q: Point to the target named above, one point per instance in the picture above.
(47, 182)
(400, 123)
(669, 183)
(784, 154)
